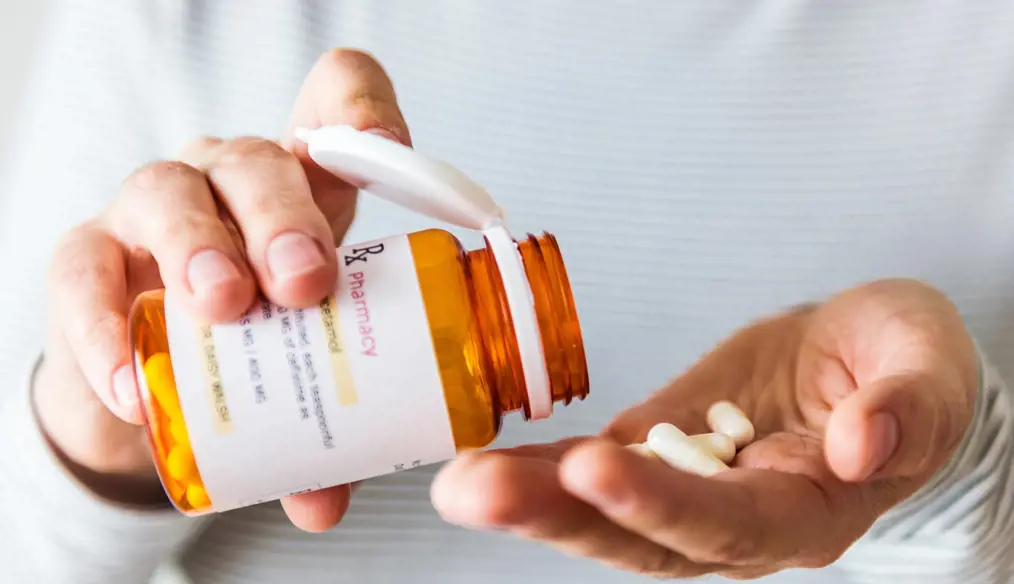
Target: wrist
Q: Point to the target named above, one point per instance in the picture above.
(103, 455)
(120, 488)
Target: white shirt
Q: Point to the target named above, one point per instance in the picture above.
(702, 163)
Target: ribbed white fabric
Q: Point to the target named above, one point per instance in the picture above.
(702, 163)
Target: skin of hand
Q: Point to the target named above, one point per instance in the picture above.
(857, 402)
(227, 219)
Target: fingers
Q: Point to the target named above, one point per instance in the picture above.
(168, 209)
(741, 517)
(318, 511)
(87, 282)
(901, 426)
(552, 451)
(524, 496)
(345, 87)
(632, 424)
(288, 241)
(172, 209)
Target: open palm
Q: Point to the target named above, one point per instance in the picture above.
(857, 402)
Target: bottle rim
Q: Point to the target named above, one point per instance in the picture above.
(521, 304)
(554, 301)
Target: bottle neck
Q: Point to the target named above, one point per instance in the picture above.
(560, 331)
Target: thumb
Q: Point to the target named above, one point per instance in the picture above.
(904, 425)
(345, 87)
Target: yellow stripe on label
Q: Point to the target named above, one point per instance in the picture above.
(221, 417)
(344, 385)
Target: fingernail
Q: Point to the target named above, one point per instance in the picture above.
(208, 269)
(884, 435)
(125, 391)
(293, 254)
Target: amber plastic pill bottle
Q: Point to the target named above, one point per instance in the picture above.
(419, 354)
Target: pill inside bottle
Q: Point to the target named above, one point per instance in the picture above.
(413, 359)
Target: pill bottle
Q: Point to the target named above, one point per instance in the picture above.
(420, 352)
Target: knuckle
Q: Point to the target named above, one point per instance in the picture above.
(98, 335)
(160, 176)
(73, 267)
(181, 228)
(200, 149)
(282, 207)
(254, 151)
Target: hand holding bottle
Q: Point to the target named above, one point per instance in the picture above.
(857, 403)
(231, 217)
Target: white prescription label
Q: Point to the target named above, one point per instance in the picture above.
(286, 401)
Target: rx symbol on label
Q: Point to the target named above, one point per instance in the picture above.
(361, 254)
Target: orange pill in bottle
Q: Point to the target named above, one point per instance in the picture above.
(419, 354)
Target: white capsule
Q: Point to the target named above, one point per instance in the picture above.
(718, 445)
(675, 449)
(642, 449)
(725, 418)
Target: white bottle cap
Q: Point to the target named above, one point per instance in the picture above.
(401, 175)
(434, 188)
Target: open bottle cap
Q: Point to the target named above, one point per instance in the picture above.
(399, 174)
(434, 188)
